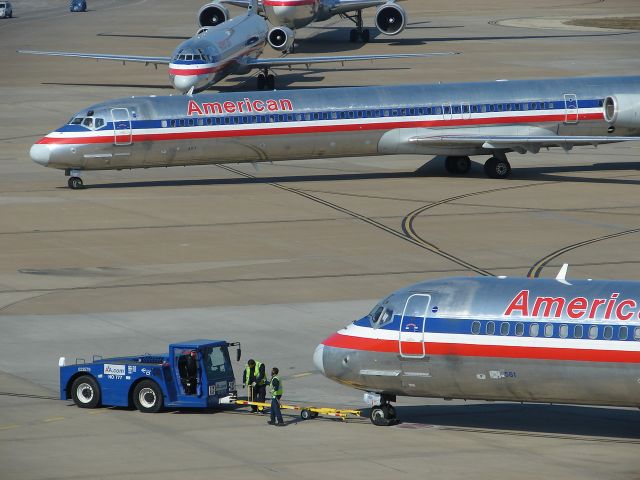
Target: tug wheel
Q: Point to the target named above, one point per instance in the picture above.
(147, 397)
(85, 392)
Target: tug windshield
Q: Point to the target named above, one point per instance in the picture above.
(217, 363)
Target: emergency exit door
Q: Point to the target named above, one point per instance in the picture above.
(121, 126)
(412, 326)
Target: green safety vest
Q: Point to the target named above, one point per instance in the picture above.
(280, 390)
(256, 373)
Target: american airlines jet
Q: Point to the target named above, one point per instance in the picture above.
(453, 120)
(288, 15)
(229, 49)
(493, 338)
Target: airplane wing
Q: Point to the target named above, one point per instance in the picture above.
(104, 56)
(342, 6)
(518, 143)
(287, 61)
(241, 3)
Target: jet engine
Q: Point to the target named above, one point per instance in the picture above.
(212, 14)
(391, 18)
(622, 110)
(281, 38)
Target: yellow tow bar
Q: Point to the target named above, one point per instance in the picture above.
(307, 413)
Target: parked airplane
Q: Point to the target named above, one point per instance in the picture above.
(232, 48)
(287, 15)
(455, 120)
(488, 338)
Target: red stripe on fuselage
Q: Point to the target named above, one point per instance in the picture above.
(193, 71)
(490, 351)
(354, 127)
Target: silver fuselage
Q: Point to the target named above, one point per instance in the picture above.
(141, 132)
(496, 339)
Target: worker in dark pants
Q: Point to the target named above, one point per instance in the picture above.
(276, 389)
(255, 379)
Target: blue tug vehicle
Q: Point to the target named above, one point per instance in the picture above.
(193, 374)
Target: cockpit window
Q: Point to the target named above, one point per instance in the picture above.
(76, 121)
(99, 123)
(382, 314)
(88, 122)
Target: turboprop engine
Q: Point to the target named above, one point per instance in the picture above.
(281, 38)
(391, 19)
(622, 110)
(212, 14)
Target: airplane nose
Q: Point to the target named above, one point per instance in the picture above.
(185, 82)
(318, 358)
(40, 154)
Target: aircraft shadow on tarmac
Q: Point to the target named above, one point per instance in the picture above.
(606, 424)
(541, 174)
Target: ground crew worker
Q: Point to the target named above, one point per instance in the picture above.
(276, 389)
(255, 379)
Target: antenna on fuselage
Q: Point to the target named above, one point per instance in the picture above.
(253, 7)
(562, 274)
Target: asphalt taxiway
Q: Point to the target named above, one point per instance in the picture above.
(280, 257)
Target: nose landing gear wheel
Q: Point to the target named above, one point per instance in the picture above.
(75, 183)
(383, 415)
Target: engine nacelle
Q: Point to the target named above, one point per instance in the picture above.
(391, 19)
(212, 14)
(281, 38)
(622, 110)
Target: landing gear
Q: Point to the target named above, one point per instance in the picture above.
(457, 165)
(359, 32)
(266, 81)
(75, 183)
(497, 167)
(383, 415)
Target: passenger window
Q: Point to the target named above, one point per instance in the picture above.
(578, 331)
(491, 328)
(475, 327)
(534, 330)
(608, 332)
(636, 333)
(548, 330)
(564, 331)
(623, 333)
(519, 329)
(504, 328)
(593, 331)
(163, 123)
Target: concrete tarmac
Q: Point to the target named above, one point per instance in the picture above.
(144, 258)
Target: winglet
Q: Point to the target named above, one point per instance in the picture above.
(561, 277)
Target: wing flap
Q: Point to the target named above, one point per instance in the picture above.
(515, 142)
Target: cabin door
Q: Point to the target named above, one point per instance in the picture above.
(121, 126)
(570, 108)
(413, 324)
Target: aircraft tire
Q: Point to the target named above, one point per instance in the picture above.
(75, 183)
(457, 165)
(85, 392)
(378, 417)
(366, 36)
(497, 168)
(147, 397)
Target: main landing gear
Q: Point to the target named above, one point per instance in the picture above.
(266, 81)
(74, 182)
(496, 167)
(383, 414)
(359, 32)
